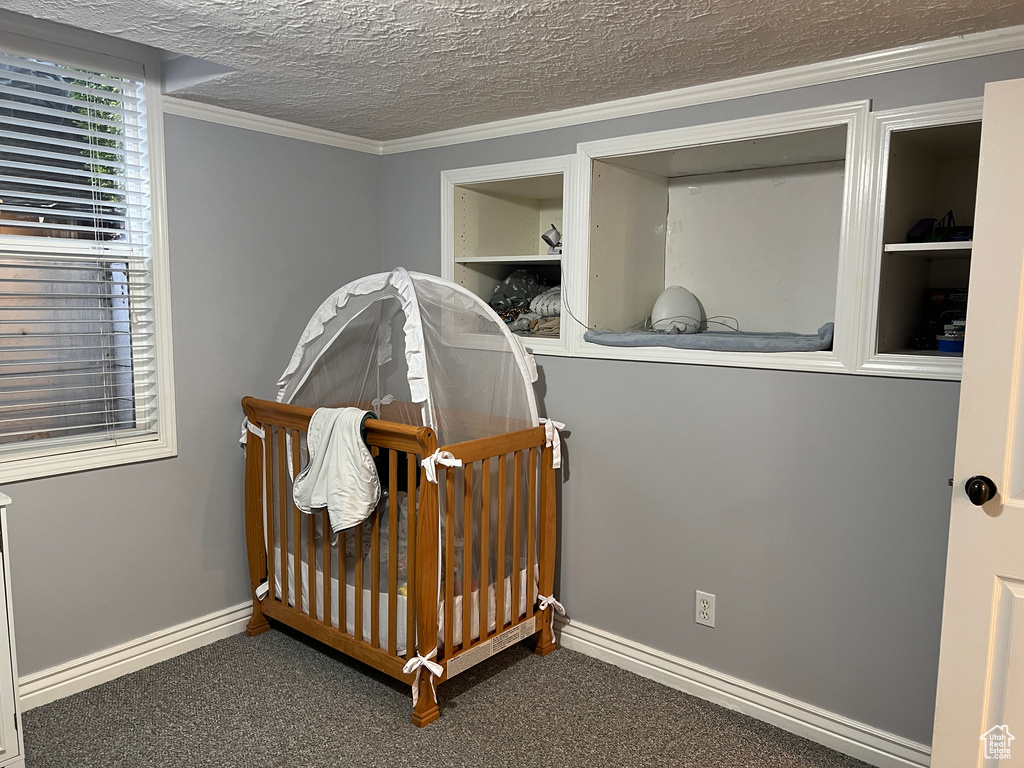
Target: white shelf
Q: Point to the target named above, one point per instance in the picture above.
(924, 353)
(529, 259)
(962, 245)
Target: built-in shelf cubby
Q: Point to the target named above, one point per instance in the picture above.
(752, 228)
(751, 216)
(927, 167)
(776, 223)
(493, 224)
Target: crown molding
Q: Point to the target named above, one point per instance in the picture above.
(863, 65)
(223, 116)
(879, 62)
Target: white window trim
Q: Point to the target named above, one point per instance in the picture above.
(22, 35)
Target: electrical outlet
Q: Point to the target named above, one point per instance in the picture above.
(705, 609)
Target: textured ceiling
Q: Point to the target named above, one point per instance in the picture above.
(386, 69)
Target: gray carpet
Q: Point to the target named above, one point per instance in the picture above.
(278, 701)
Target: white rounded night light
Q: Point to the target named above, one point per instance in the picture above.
(676, 311)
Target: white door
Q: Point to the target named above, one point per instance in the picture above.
(981, 661)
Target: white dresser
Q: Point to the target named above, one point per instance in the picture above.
(12, 745)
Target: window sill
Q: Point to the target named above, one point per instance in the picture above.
(33, 467)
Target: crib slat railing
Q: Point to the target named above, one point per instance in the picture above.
(485, 517)
(522, 460)
(311, 601)
(449, 560)
(297, 547)
(518, 457)
(374, 579)
(278, 554)
(268, 483)
(327, 560)
(393, 552)
(310, 535)
(282, 490)
(531, 527)
(357, 579)
(343, 582)
(499, 577)
(296, 518)
(467, 557)
(410, 556)
(517, 515)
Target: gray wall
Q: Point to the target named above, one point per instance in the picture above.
(262, 229)
(814, 506)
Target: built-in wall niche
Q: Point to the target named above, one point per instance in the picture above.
(751, 216)
(751, 228)
(928, 166)
(498, 227)
(505, 219)
(778, 223)
(493, 222)
(931, 171)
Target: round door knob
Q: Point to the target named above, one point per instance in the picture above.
(980, 489)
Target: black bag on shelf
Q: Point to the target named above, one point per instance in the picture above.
(942, 230)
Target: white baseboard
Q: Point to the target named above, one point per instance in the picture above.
(842, 734)
(65, 679)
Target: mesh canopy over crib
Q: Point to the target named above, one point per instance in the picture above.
(417, 350)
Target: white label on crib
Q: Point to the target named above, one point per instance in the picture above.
(485, 650)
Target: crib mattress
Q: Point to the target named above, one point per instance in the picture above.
(400, 607)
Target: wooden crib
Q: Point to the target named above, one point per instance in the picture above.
(512, 472)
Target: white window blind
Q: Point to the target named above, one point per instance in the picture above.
(77, 343)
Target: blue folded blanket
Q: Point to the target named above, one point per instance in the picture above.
(727, 341)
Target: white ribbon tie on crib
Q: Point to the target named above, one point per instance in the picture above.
(248, 425)
(262, 590)
(557, 607)
(416, 664)
(553, 441)
(377, 402)
(445, 458)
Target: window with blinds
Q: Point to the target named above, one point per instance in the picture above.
(77, 360)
